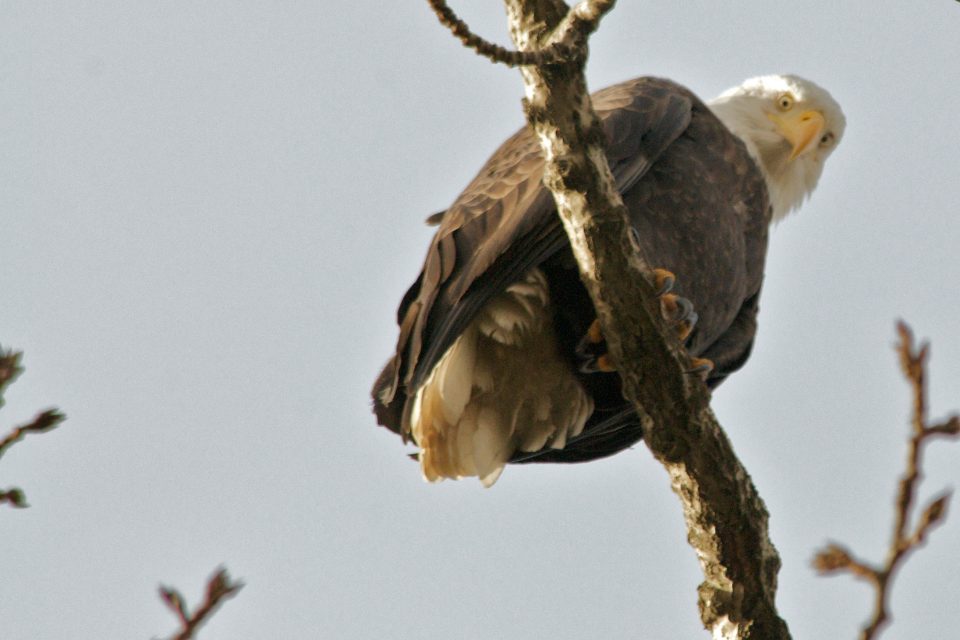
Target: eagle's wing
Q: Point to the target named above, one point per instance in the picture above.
(504, 223)
(702, 211)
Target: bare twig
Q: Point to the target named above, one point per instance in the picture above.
(485, 48)
(45, 421)
(10, 369)
(584, 19)
(219, 589)
(834, 558)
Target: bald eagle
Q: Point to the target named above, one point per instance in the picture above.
(496, 361)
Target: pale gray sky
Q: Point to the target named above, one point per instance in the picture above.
(209, 213)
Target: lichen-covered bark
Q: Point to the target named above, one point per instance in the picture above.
(726, 520)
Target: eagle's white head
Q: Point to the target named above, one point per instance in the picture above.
(790, 126)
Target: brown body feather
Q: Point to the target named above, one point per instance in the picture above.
(700, 207)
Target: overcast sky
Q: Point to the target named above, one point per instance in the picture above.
(208, 214)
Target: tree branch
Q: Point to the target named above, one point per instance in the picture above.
(43, 422)
(571, 42)
(491, 51)
(835, 558)
(219, 590)
(726, 520)
(10, 370)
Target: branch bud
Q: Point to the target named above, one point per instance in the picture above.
(174, 600)
(832, 559)
(15, 497)
(949, 428)
(933, 514)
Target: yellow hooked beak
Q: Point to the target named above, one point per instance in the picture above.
(801, 130)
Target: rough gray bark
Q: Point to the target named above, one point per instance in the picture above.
(726, 519)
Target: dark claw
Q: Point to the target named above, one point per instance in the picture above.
(591, 348)
(663, 281)
(592, 341)
(674, 308)
(592, 351)
(701, 367)
(599, 364)
(686, 326)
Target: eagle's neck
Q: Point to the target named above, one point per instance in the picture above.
(786, 184)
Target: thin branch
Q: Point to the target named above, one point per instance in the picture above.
(10, 370)
(485, 48)
(950, 428)
(584, 19)
(219, 590)
(835, 559)
(45, 421)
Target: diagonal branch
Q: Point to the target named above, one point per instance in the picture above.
(726, 520)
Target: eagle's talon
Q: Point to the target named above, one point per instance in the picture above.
(663, 280)
(594, 333)
(591, 351)
(605, 364)
(686, 326)
(675, 309)
(592, 343)
(597, 364)
(700, 367)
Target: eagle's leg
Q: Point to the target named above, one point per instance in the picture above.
(678, 311)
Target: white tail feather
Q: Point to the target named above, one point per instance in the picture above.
(501, 387)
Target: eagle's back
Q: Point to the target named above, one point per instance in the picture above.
(699, 205)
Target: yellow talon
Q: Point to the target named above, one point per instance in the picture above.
(668, 306)
(701, 366)
(604, 364)
(594, 333)
(663, 280)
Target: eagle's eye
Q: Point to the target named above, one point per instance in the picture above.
(785, 102)
(827, 139)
